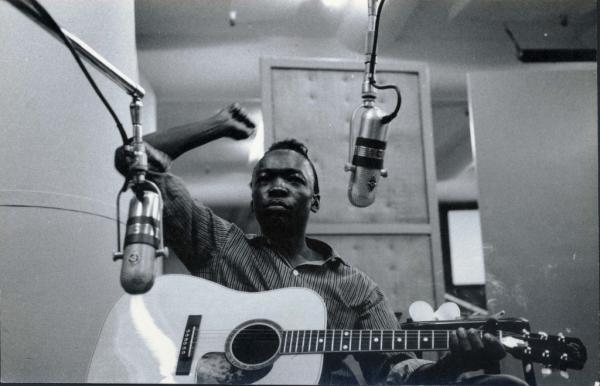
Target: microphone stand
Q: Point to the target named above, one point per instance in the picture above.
(91, 56)
(140, 186)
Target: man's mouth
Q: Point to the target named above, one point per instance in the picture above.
(277, 205)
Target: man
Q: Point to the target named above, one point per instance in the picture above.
(285, 190)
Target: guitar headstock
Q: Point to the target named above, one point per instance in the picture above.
(552, 351)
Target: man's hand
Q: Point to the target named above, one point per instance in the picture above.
(239, 125)
(157, 160)
(469, 351)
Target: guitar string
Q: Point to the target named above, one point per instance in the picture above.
(386, 333)
(411, 334)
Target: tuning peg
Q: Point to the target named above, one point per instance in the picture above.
(546, 371)
(546, 354)
(528, 367)
(561, 337)
(525, 333)
(543, 335)
(564, 374)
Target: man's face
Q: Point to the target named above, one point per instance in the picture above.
(282, 192)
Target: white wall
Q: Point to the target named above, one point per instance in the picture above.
(57, 228)
(536, 145)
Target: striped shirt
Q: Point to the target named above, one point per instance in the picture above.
(217, 250)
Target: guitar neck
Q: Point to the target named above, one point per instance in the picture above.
(353, 341)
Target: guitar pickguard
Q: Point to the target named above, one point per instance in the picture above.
(214, 368)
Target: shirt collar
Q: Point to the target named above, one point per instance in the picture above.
(320, 246)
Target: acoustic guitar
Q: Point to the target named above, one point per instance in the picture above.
(190, 330)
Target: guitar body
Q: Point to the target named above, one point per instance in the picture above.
(143, 339)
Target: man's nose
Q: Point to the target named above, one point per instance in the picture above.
(278, 189)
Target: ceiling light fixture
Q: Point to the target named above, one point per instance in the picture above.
(336, 4)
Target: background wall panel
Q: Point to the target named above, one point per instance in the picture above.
(536, 144)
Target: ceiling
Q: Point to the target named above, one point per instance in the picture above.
(208, 54)
(207, 51)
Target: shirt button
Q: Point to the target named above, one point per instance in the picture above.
(296, 273)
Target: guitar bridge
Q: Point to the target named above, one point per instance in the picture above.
(188, 345)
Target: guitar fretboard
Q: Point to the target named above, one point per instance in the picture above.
(336, 341)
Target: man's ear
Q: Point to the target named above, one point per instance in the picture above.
(316, 203)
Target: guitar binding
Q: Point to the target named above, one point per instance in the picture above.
(254, 344)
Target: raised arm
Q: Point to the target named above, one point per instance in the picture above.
(231, 122)
(191, 229)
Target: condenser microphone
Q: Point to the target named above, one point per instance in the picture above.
(365, 158)
(143, 236)
(366, 165)
(142, 242)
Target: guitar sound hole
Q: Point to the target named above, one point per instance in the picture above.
(255, 344)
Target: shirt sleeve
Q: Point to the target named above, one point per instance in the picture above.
(376, 314)
(191, 229)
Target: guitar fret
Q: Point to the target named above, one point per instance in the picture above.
(418, 339)
(302, 345)
(296, 346)
(310, 341)
(405, 339)
(320, 340)
(381, 340)
(370, 339)
(360, 340)
(393, 340)
(387, 340)
(285, 337)
(351, 331)
(426, 339)
(440, 340)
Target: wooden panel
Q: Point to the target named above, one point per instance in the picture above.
(400, 264)
(316, 105)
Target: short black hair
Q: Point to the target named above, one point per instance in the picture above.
(297, 146)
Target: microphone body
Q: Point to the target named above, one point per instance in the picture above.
(142, 242)
(366, 165)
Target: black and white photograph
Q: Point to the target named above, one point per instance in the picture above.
(299, 192)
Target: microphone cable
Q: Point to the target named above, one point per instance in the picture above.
(44, 16)
(388, 118)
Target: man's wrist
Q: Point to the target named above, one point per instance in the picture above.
(445, 370)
